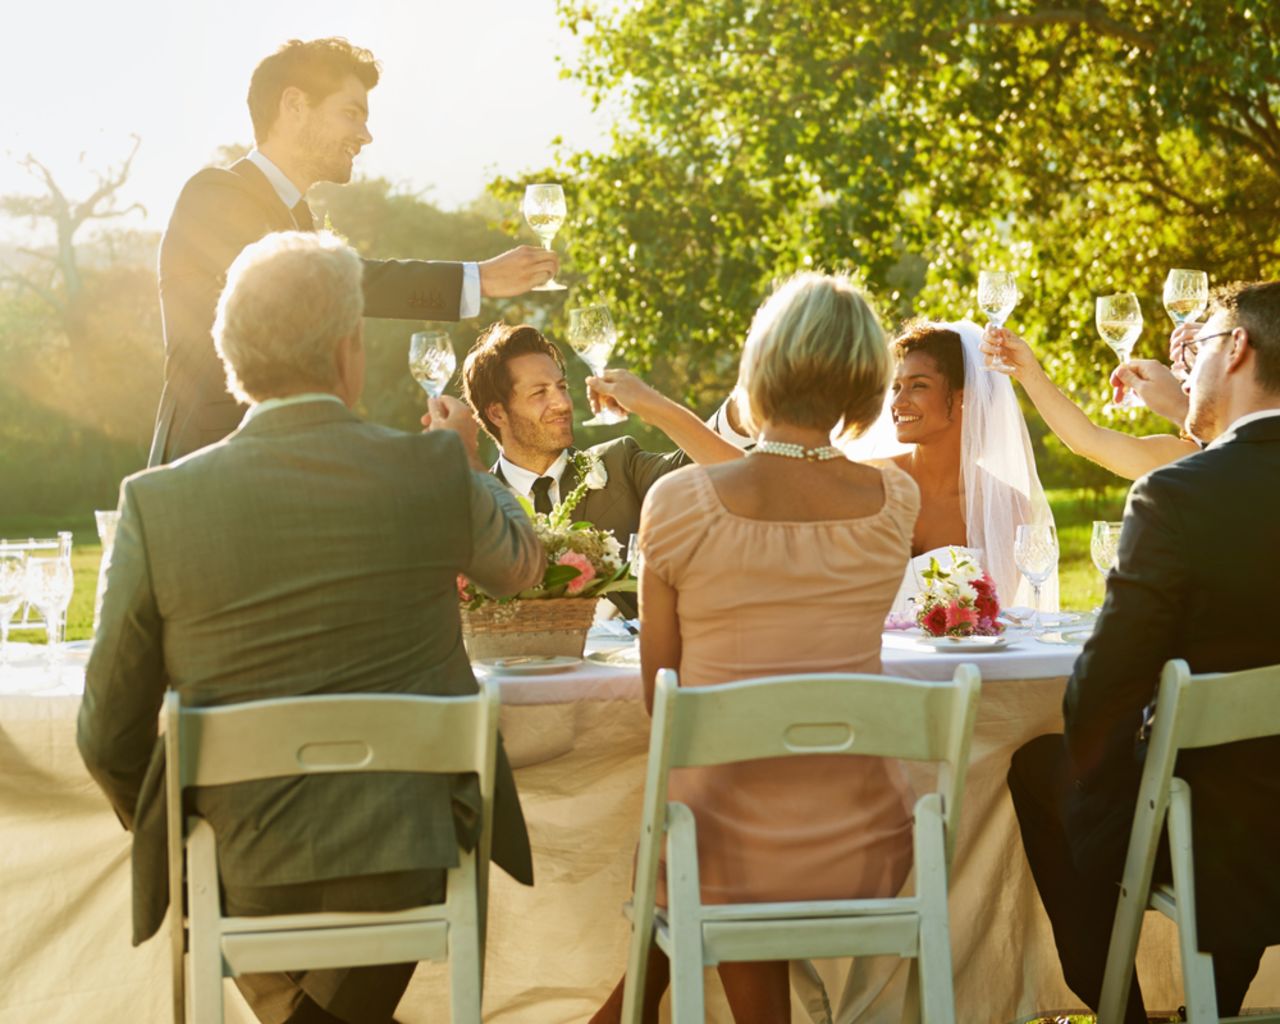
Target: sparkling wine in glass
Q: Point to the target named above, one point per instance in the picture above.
(432, 360)
(545, 210)
(13, 575)
(1186, 295)
(1119, 320)
(997, 295)
(593, 336)
(1104, 547)
(1035, 552)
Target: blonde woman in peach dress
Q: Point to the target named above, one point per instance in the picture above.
(782, 561)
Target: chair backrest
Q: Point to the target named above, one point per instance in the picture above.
(37, 547)
(325, 734)
(830, 713)
(1218, 708)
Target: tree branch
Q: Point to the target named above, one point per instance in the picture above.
(47, 296)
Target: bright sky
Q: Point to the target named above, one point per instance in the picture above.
(469, 89)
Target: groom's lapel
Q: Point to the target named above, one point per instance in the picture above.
(569, 478)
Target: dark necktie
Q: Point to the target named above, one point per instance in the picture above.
(542, 494)
(302, 216)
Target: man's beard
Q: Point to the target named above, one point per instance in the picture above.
(536, 436)
(326, 159)
(1202, 415)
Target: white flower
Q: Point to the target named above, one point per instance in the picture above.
(596, 475)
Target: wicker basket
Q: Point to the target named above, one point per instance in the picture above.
(550, 626)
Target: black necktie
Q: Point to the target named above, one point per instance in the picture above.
(542, 494)
(302, 216)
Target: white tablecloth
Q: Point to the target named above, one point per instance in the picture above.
(555, 950)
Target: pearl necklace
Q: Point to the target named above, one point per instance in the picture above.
(790, 450)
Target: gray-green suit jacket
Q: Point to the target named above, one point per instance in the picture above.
(616, 506)
(309, 552)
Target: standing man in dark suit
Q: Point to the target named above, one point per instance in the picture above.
(1199, 560)
(309, 105)
(308, 552)
(514, 381)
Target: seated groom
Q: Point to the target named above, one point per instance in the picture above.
(308, 552)
(513, 379)
(1198, 563)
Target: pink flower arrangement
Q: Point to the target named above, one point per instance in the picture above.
(586, 571)
(959, 600)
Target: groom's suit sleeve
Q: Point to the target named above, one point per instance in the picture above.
(412, 289)
(1116, 676)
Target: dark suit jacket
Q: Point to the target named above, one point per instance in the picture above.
(309, 552)
(1199, 560)
(616, 506)
(218, 213)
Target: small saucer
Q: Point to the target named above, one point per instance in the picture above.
(529, 664)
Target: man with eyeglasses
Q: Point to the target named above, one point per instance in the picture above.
(1199, 554)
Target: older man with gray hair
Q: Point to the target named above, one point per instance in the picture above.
(308, 552)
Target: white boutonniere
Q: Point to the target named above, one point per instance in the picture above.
(596, 475)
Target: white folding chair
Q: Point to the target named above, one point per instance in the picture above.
(319, 735)
(1191, 711)
(780, 717)
(35, 547)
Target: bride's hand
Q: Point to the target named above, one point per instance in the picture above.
(1001, 343)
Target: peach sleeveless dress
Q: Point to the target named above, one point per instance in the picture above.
(758, 598)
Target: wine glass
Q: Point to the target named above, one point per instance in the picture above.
(432, 360)
(1119, 320)
(593, 336)
(48, 585)
(1035, 552)
(1186, 295)
(545, 210)
(633, 555)
(13, 571)
(997, 295)
(1104, 548)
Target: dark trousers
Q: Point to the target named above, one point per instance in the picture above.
(353, 995)
(1081, 904)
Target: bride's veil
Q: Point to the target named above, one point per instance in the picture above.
(1001, 486)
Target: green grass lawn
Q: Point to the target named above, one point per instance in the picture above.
(1079, 582)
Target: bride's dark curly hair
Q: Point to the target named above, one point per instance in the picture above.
(941, 345)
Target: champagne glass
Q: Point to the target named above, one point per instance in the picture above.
(1119, 320)
(13, 571)
(48, 586)
(1035, 552)
(1186, 295)
(997, 295)
(545, 210)
(593, 336)
(432, 360)
(633, 555)
(1104, 548)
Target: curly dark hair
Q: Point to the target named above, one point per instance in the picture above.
(485, 377)
(316, 67)
(941, 345)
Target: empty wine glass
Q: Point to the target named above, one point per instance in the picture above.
(1186, 295)
(48, 585)
(1119, 320)
(432, 360)
(13, 570)
(1104, 548)
(545, 210)
(1035, 552)
(997, 295)
(593, 336)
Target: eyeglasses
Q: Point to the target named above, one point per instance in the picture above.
(1187, 352)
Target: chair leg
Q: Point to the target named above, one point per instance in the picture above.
(684, 897)
(934, 955)
(204, 913)
(1197, 967)
(464, 978)
(911, 1000)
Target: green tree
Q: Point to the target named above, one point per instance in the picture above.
(1089, 146)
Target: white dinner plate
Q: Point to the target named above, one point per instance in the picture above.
(529, 664)
(958, 644)
(627, 656)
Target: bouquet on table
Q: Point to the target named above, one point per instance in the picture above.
(582, 561)
(959, 600)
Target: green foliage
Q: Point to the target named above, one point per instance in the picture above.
(1088, 147)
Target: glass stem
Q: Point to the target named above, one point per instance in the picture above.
(1036, 626)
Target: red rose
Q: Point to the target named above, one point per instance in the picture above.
(961, 620)
(934, 621)
(987, 606)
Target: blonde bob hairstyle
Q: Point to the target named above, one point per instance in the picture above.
(816, 356)
(290, 298)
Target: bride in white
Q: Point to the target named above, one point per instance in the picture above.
(956, 428)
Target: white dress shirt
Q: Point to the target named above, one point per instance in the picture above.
(1249, 417)
(521, 480)
(468, 304)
